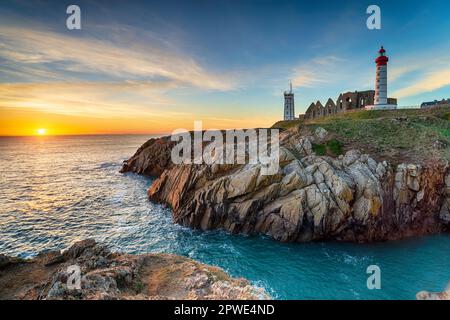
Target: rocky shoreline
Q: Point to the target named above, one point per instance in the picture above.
(425, 295)
(352, 197)
(109, 276)
(106, 275)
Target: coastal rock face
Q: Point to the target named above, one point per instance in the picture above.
(151, 159)
(445, 210)
(107, 275)
(349, 198)
(425, 295)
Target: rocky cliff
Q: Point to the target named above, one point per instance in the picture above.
(351, 197)
(426, 295)
(151, 159)
(107, 275)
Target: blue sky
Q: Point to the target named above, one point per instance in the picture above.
(227, 62)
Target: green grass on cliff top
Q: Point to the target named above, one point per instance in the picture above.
(395, 134)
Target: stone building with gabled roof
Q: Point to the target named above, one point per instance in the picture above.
(320, 108)
(311, 112)
(330, 107)
(346, 101)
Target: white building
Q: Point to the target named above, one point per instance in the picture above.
(381, 100)
(289, 108)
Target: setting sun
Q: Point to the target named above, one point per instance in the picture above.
(41, 131)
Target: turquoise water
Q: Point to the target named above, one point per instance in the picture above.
(57, 190)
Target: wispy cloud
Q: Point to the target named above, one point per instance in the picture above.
(430, 82)
(28, 49)
(68, 75)
(422, 72)
(317, 71)
(101, 100)
(335, 73)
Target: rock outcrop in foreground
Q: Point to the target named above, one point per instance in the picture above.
(352, 197)
(425, 295)
(106, 275)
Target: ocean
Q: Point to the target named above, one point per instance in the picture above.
(57, 190)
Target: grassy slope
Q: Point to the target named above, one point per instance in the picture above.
(396, 135)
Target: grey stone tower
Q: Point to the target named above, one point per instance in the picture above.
(289, 111)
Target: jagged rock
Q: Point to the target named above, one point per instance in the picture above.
(151, 159)
(6, 261)
(58, 289)
(425, 295)
(321, 133)
(51, 257)
(444, 213)
(350, 157)
(351, 198)
(119, 276)
(78, 248)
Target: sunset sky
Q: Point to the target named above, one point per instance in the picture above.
(154, 66)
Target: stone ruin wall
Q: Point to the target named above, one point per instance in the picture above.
(345, 102)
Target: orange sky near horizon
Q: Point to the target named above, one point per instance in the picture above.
(22, 122)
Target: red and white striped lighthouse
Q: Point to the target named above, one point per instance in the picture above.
(381, 80)
(381, 100)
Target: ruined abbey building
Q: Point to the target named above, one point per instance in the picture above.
(345, 102)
